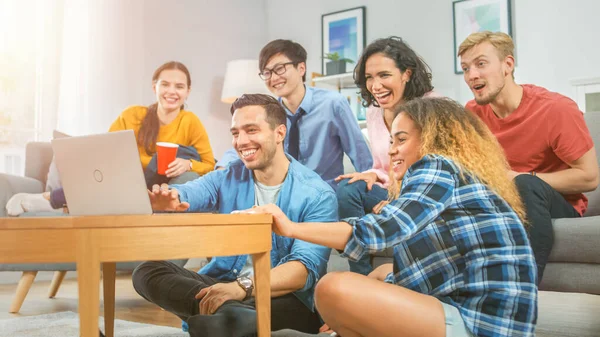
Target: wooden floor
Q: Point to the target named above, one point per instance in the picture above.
(129, 305)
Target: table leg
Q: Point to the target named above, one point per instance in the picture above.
(262, 280)
(109, 270)
(88, 279)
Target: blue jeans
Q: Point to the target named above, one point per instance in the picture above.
(354, 200)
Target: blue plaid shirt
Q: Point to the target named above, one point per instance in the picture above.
(457, 240)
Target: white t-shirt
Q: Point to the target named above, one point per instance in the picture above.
(264, 195)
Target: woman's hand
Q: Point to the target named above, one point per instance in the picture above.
(281, 224)
(377, 209)
(369, 177)
(381, 272)
(178, 167)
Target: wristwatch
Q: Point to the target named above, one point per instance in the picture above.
(247, 285)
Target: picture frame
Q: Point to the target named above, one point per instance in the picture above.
(470, 16)
(343, 32)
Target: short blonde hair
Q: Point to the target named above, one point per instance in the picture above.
(501, 41)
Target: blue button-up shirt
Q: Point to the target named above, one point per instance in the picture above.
(457, 240)
(328, 129)
(304, 197)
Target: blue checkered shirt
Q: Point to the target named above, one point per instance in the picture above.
(457, 240)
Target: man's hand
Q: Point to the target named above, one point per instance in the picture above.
(281, 224)
(178, 167)
(369, 177)
(211, 298)
(163, 199)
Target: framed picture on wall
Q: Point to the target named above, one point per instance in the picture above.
(344, 33)
(472, 16)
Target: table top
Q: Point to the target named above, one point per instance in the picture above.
(121, 221)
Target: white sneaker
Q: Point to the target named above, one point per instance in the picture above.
(13, 206)
(36, 203)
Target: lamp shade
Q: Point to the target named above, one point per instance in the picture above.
(241, 77)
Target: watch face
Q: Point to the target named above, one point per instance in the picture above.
(245, 282)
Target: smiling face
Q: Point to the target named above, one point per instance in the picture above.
(485, 72)
(254, 139)
(291, 80)
(385, 81)
(405, 148)
(171, 89)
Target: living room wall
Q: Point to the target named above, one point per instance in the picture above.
(554, 38)
(132, 38)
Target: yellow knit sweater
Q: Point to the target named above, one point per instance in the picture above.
(186, 130)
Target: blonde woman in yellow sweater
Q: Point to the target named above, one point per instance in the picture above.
(163, 121)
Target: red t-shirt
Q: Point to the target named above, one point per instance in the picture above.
(543, 134)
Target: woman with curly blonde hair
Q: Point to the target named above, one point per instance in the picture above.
(462, 261)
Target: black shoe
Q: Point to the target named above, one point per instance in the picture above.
(101, 334)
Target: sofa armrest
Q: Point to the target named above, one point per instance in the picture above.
(10, 185)
(576, 240)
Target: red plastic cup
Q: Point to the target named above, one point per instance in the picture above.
(166, 154)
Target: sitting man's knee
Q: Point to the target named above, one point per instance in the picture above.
(527, 183)
(141, 272)
(344, 190)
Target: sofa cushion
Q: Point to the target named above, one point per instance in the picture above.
(568, 315)
(572, 277)
(576, 240)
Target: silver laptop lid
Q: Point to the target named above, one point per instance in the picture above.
(102, 174)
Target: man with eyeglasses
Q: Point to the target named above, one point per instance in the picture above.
(321, 124)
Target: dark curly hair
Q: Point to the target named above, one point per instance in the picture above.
(405, 58)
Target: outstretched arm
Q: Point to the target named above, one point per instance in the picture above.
(329, 234)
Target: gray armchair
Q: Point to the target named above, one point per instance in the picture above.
(37, 162)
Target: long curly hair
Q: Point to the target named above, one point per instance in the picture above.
(449, 130)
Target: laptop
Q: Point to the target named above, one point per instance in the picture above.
(102, 174)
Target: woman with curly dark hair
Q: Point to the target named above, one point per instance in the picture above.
(388, 74)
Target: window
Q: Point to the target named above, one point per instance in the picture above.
(25, 26)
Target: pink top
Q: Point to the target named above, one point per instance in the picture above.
(379, 138)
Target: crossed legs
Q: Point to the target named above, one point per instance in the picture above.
(355, 305)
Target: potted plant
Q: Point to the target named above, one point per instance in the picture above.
(336, 65)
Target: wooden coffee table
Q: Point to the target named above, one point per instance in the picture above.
(91, 241)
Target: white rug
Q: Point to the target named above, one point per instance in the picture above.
(66, 324)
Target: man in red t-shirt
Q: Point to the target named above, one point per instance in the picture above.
(544, 136)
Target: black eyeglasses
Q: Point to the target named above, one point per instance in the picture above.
(278, 69)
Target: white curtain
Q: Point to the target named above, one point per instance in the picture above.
(29, 51)
(73, 96)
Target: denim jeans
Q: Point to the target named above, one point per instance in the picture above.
(542, 204)
(354, 200)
